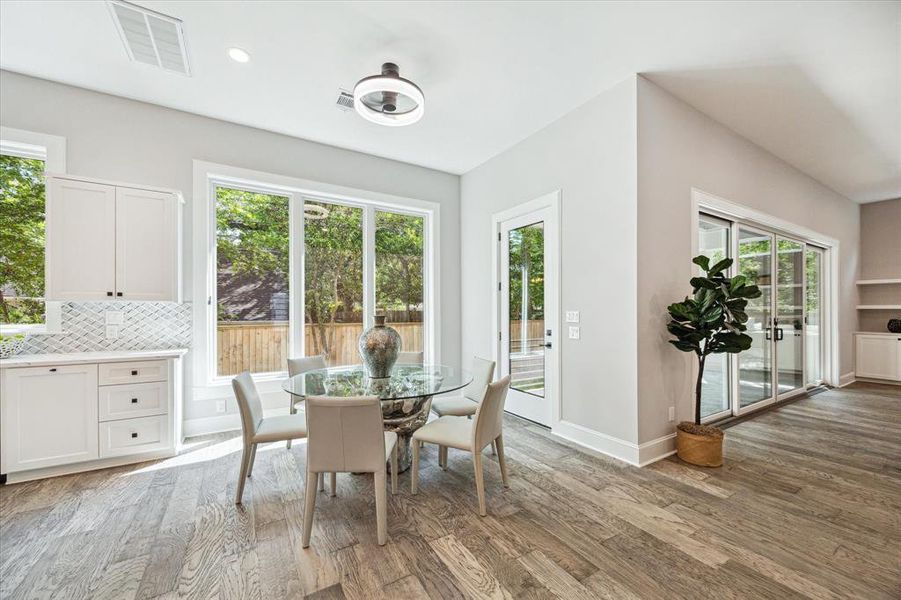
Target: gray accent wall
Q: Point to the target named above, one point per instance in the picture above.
(589, 154)
(119, 139)
(680, 148)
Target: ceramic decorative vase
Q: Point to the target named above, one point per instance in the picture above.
(379, 346)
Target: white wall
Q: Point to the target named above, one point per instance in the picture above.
(680, 148)
(589, 155)
(119, 139)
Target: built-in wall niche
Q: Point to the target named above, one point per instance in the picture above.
(879, 301)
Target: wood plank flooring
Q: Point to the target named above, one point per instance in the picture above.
(808, 504)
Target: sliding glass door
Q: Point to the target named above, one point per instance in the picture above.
(755, 366)
(785, 323)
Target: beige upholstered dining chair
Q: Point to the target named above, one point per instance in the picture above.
(346, 435)
(257, 429)
(465, 405)
(470, 435)
(296, 366)
(409, 358)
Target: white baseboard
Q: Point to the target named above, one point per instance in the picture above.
(597, 441)
(846, 379)
(651, 452)
(92, 465)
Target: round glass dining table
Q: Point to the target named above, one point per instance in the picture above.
(406, 395)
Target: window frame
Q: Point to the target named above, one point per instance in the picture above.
(52, 150)
(209, 176)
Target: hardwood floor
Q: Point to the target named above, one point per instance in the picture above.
(808, 504)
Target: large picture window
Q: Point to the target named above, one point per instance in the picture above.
(22, 210)
(252, 275)
(300, 274)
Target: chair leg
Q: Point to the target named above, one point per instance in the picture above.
(480, 482)
(320, 478)
(292, 409)
(242, 476)
(381, 507)
(333, 484)
(394, 469)
(253, 459)
(309, 506)
(501, 459)
(442, 457)
(493, 449)
(414, 469)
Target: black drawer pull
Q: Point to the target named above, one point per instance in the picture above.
(118, 293)
(134, 400)
(134, 372)
(134, 435)
(109, 293)
(53, 370)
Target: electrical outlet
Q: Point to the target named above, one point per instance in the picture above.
(220, 406)
(112, 332)
(572, 316)
(574, 333)
(672, 414)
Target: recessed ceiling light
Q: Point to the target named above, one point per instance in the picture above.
(238, 55)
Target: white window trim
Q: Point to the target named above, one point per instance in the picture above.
(52, 150)
(207, 176)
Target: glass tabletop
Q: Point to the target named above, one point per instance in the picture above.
(406, 381)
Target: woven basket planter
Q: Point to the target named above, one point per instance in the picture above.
(700, 445)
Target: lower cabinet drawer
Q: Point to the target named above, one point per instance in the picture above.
(136, 400)
(130, 436)
(134, 372)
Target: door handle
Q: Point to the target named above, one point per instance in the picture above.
(547, 345)
(779, 334)
(767, 334)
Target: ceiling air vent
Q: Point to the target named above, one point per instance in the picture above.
(150, 37)
(345, 100)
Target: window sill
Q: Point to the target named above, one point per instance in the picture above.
(28, 329)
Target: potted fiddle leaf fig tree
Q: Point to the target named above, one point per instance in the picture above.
(711, 321)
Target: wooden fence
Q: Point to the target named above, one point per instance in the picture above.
(262, 346)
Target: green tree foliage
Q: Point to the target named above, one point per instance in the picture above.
(333, 270)
(21, 240)
(712, 320)
(398, 262)
(254, 240)
(526, 253)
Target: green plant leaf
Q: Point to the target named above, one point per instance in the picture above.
(702, 261)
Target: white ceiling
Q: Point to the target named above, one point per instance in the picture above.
(816, 83)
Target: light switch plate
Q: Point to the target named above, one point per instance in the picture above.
(113, 317)
(574, 333)
(572, 316)
(112, 332)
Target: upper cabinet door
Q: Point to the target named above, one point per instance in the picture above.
(81, 242)
(147, 241)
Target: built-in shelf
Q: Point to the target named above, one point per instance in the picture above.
(879, 307)
(878, 281)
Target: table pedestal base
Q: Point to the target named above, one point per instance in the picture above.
(404, 417)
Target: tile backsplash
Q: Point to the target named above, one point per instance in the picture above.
(145, 326)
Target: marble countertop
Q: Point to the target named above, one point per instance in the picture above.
(36, 360)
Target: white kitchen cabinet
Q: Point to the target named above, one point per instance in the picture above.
(147, 242)
(879, 356)
(81, 240)
(49, 416)
(109, 241)
(76, 412)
